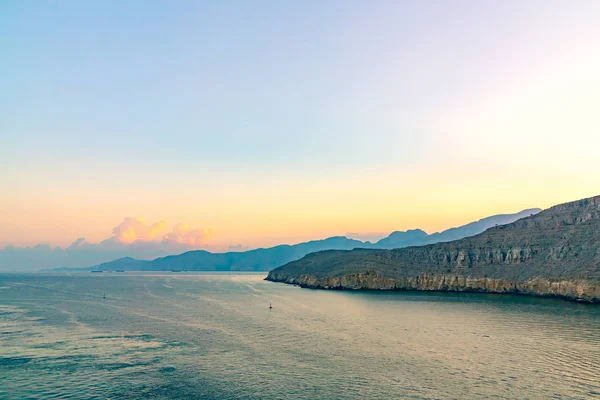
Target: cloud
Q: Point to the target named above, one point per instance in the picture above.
(133, 237)
(135, 229)
(183, 234)
(76, 243)
(237, 247)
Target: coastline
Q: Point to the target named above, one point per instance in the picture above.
(579, 291)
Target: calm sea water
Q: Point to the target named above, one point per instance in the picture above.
(188, 336)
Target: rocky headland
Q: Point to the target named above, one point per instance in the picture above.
(554, 253)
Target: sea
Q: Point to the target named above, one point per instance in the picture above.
(213, 336)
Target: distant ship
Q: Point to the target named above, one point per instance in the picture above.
(175, 270)
(99, 270)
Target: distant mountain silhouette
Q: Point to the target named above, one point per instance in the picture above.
(252, 260)
(402, 239)
(266, 259)
(417, 237)
(124, 263)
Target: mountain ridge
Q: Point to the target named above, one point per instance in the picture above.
(265, 259)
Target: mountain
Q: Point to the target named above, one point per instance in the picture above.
(553, 253)
(417, 237)
(252, 260)
(403, 239)
(124, 263)
(269, 258)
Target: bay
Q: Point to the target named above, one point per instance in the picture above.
(212, 336)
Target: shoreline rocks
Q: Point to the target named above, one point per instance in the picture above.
(578, 291)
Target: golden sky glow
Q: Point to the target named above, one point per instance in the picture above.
(430, 198)
(354, 119)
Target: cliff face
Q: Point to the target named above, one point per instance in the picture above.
(553, 253)
(576, 289)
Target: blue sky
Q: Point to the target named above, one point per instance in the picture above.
(272, 122)
(257, 82)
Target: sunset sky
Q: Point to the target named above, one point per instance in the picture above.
(263, 122)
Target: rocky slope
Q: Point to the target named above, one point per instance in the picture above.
(553, 253)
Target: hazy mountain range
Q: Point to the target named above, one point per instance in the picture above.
(553, 253)
(265, 259)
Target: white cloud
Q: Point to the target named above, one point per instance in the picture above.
(183, 234)
(133, 237)
(77, 243)
(135, 229)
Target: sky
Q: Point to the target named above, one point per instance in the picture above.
(216, 124)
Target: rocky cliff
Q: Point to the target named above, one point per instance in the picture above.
(553, 253)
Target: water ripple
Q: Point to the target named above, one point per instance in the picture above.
(213, 337)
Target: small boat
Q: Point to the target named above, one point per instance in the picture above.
(270, 306)
(97, 270)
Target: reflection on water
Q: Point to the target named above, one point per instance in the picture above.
(182, 336)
